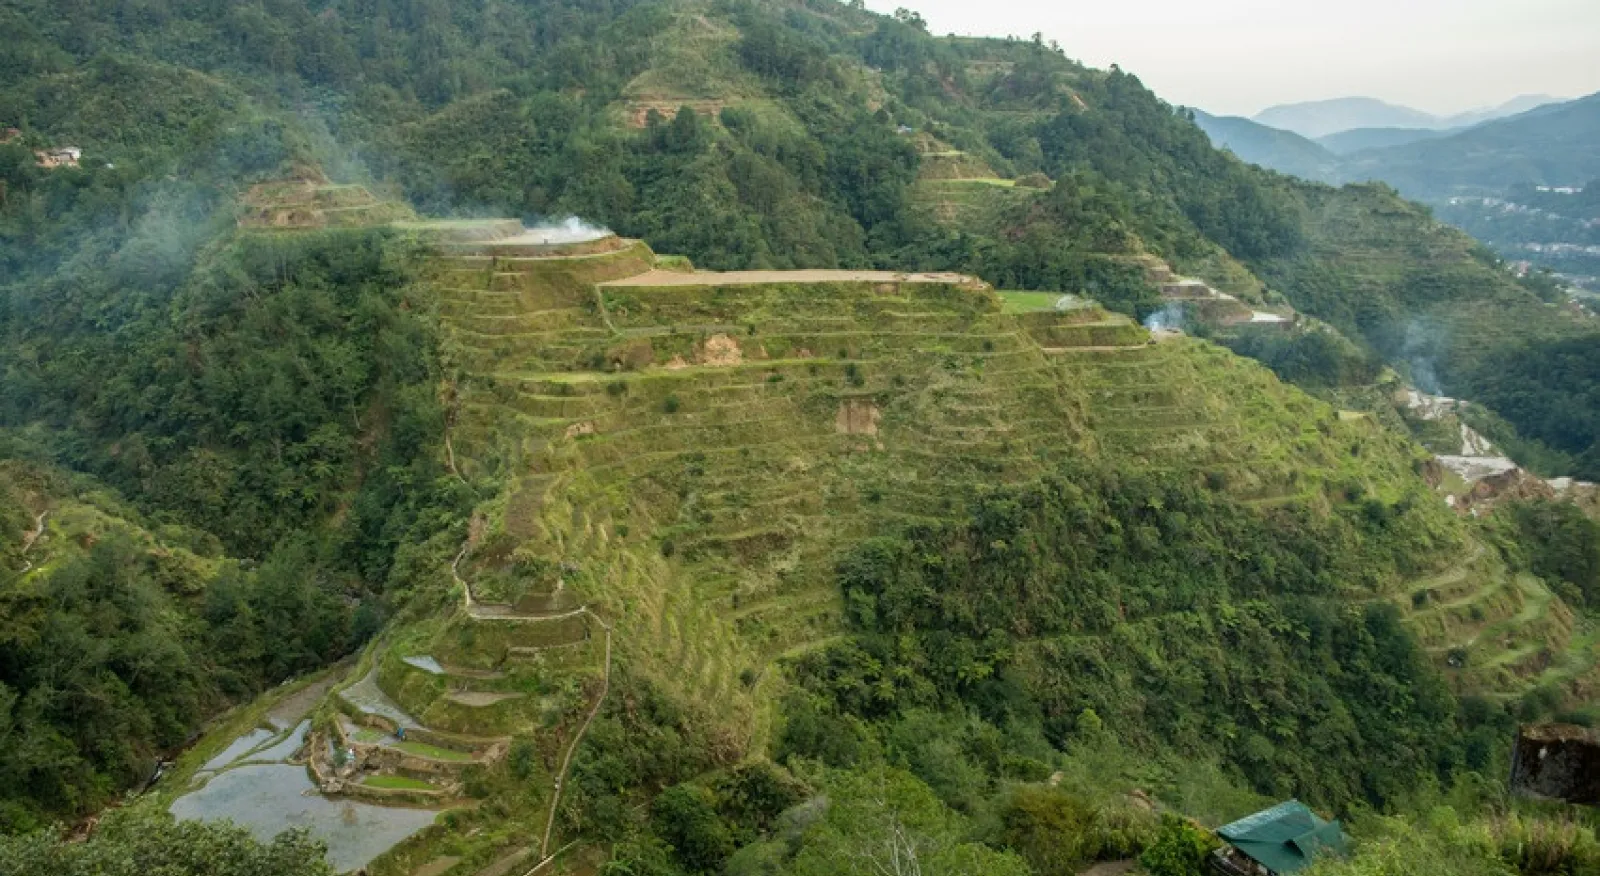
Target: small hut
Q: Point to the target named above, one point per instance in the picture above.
(1272, 842)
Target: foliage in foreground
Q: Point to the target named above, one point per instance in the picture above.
(142, 842)
(1181, 618)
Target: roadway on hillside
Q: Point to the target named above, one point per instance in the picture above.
(751, 278)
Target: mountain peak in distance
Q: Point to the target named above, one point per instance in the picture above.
(1320, 118)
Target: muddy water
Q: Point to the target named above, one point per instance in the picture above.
(271, 798)
(257, 788)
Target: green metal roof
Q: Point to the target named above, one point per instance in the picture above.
(1284, 838)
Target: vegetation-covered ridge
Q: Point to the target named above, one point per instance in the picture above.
(654, 547)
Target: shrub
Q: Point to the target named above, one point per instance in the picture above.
(685, 816)
(1180, 848)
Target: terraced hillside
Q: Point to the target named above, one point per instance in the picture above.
(687, 452)
(676, 460)
(1499, 633)
(315, 203)
(959, 189)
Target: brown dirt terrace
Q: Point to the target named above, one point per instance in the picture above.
(751, 278)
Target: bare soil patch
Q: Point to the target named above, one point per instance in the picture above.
(721, 350)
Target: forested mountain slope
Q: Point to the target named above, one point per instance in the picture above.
(1551, 146)
(636, 529)
(1283, 151)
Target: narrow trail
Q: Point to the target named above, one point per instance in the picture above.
(572, 747)
(450, 459)
(30, 538)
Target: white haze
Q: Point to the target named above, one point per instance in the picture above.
(568, 230)
(1171, 317)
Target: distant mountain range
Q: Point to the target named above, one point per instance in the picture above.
(1272, 148)
(1550, 144)
(1321, 118)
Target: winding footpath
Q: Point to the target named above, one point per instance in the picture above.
(30, 538)
(478, 611)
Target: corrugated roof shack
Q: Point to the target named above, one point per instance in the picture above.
(1557, 761)
(1272, 842)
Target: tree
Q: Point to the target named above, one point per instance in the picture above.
(685, 816)
(1180, 849)
(882, 821)
(142, 841)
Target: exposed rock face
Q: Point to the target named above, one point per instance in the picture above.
(1559, 761)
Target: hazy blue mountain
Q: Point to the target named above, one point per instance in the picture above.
(1320, 118)
(1358, 139)
(1551, 145)
(1512, 107)
(1283, 151)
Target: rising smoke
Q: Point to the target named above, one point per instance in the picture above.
(568, 230)
(1170, 318)
(1420, 349)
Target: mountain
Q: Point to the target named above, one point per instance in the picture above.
(1320, 119)
(1314, 119)
(1512, 107)
(1549, 145)
(1552, 145)
(1283, 151)
(1357, 139)
(804, 485)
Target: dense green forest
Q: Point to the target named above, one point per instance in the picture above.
(797, 162)
(1013, 684)
(237, 434)
(273, 415)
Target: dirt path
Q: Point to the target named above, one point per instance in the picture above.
(30, 538)
(566, 761)
(474, 609)
(450, 457)
(746, 278)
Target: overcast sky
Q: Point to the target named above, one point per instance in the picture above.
(1237, 57)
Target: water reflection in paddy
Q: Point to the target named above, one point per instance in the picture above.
(257, 788)
(271, 798)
